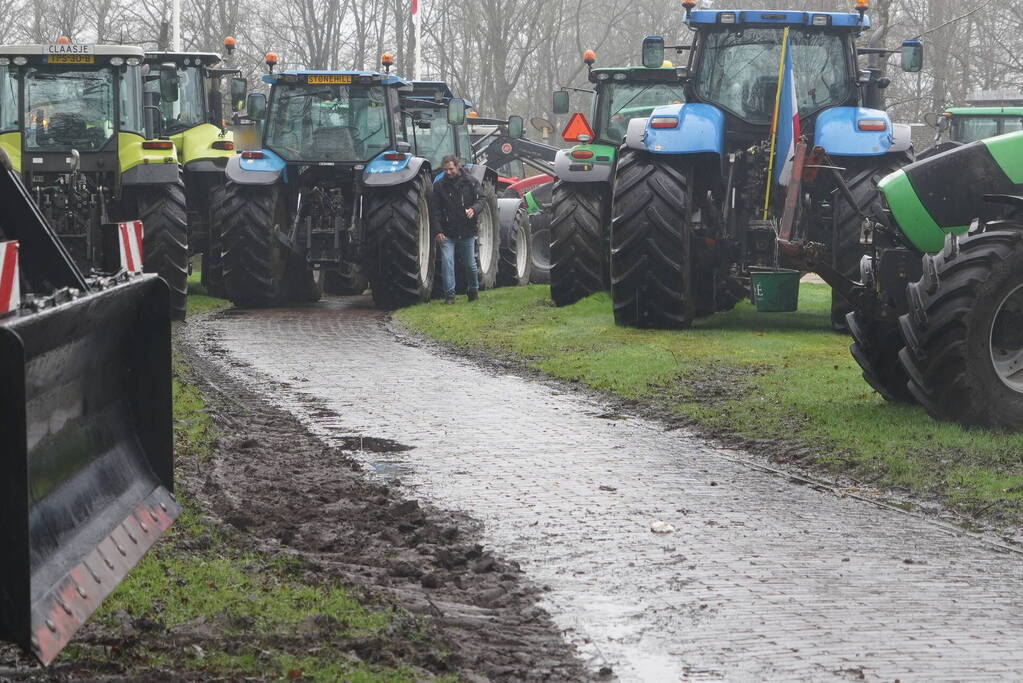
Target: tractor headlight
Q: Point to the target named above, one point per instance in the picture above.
(620, 77)
(21, 61)
(134, 61)
(117, 61)
(4, 61)
(727, 17)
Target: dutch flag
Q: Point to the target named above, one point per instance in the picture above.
(788, 119)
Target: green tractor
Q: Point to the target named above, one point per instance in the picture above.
(581, 206)
(72, 122)
(191, 115)
(959, 125)
(938, 313)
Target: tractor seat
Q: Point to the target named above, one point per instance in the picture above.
(759, 100)
(67, 130)
(333, 142)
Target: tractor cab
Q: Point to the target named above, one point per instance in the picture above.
(969, 124)
(63, 98)
(427, 125)
(332, 117)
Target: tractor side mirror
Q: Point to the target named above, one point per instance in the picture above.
(653, 52)
(560, 102)
(239, 88)
(912, 56)
(516, 128)
(456, 111)
(255, 106)
(168, 83)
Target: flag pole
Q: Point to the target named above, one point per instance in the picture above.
(417, 20)
(774, 120)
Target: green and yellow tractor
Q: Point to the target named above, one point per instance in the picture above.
(581, 206)
(192, 116)
(72, 123)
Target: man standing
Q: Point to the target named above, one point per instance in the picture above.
(457, 201)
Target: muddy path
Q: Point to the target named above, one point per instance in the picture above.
(667, 557)
(288, 490)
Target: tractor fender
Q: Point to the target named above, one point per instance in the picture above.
(902, 137)
(481, 173)
(700, 130)
(265, 171)
(150, 174)
(635, 132)
(382, 173)
(837, 131)
(206, 165)
(587, 171)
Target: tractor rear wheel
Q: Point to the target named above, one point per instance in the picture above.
(847, 251)
(255, 259)
(400, 250)
(161, 208)
(516, 260)
(964, 331)
(213, 259)
(579, 260)
(651, 269)
(876, 346)
(540, 247)
(488, 240)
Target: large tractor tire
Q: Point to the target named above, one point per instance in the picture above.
(876, 346)
(255, 257)
(964, 331)
(213, 258)
(516, 261)
(540, 247)
(400, 254)
(651, 269)
(845, 238)
(579, 260)
(161, 208)
(488, 240)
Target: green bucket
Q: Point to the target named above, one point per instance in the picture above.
(775, 290)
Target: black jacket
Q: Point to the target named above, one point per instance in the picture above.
(451, 197)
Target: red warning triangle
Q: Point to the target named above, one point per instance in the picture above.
(578, 126)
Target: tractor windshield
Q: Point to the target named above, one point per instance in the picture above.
(189, 110)
(738, 70)
(619, 103)
(972, 128)
(431, 134)
(328, 122)
(68, 108)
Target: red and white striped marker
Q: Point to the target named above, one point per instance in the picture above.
(10, 283)
(129, 236)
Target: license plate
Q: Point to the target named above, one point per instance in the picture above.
(329, 79)
(71, 59)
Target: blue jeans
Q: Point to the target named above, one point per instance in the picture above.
(466, 249)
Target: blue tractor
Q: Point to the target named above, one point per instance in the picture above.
(693, 219)
(335, 189)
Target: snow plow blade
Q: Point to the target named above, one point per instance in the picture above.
(86, 474)
(86, 465)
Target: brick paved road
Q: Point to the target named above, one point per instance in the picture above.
(763, 579)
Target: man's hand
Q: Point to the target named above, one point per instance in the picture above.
(439, 237)
(469, 213)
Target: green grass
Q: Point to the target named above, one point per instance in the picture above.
(744, 374)
(217, 610)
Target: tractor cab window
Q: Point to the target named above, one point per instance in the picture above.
(431, 134)
(738, 71)
(131, 100)
(972, 128)
(8, 101)
(190, 108)
(622, 102)
(68, 109)
(328, 122)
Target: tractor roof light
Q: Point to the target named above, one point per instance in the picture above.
(862, 6)
(63, 40)
(229, 44)
(589, 57)
(21, 60)
(688, 6)
(134, 61)
(603, 76)
(271, 60)
(117, 61)
(726, 18)
(621, 76)
(387, 60)
(821, 20)
(4, 61)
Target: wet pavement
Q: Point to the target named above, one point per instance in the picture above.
(762, 578)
